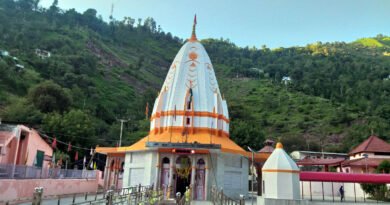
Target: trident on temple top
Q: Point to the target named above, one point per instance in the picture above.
(193, 36)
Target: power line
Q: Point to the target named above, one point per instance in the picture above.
(61, 142)
(33, 125)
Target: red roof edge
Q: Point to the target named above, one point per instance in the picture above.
(372, 144)
(344, 177)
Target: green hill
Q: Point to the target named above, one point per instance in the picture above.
(369, 42)
(99, 71)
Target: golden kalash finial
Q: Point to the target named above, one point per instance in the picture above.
(193, 36)
(279, 145)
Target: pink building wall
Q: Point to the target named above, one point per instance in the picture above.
(22, 189)
(27, 149)
(35, 142)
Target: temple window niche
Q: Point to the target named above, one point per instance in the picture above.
(189, 99)
(165, 174)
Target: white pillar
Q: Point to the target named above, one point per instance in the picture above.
(105, 173)
(171, 166)
(16, 155)
(206, 181)
(158, 171)
(193, 158)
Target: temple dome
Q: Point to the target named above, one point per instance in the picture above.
(190, 101)
(280, 160)
(189, 108)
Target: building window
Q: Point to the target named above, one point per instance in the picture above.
(189, 105)
(188, 121)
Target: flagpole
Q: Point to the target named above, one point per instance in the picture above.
(174, 118)
(211, 137)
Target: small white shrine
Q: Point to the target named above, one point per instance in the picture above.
(280, 180)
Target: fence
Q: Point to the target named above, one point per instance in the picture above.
(219, 198)
(131, 195)
(10, 171)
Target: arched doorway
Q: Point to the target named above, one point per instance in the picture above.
(164, 181)
(200, 180)
(183, 174)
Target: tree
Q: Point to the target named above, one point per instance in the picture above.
(28, 4)
(74, 126)
(378, 191)
(50, 97)
(54, 7)
(21, 111)
(384, 167)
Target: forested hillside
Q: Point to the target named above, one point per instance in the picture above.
(327, 96)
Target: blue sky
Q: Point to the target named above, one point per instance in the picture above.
(275, 23)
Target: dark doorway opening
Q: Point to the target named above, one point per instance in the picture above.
(183, 174)
(182, 184)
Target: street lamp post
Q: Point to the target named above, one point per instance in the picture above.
(121, 132)
(365, 160)
(252, 170)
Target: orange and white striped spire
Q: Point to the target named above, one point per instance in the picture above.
(190, 100)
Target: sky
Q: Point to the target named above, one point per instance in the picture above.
(274, 23)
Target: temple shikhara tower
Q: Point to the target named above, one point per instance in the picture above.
(188, 144)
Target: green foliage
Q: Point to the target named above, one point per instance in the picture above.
(101, 71)
(50, 97)
(384, 167)
(378, 191)
(20, 110)
(74, 126)
(369, 42)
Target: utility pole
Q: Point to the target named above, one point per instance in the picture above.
(120, 136)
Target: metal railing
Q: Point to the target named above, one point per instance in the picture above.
(132, 195)
(10, 171)
(219, 198)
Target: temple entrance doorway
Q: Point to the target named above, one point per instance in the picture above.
(183, 174)
(165, 175)
(200, 180)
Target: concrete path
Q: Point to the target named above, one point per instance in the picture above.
(201, 203)
(66, 200)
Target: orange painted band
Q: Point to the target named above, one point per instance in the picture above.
(189, 113)
(280, 170)
(191, 130)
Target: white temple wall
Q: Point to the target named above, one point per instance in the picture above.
(231, 174)
(273, 181)
(369, 155)
(316, 190)
(139, 168)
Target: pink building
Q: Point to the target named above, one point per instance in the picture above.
(367, 156)
(20, 145)
(364, 158)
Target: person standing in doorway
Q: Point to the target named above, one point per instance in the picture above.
(341, 190)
